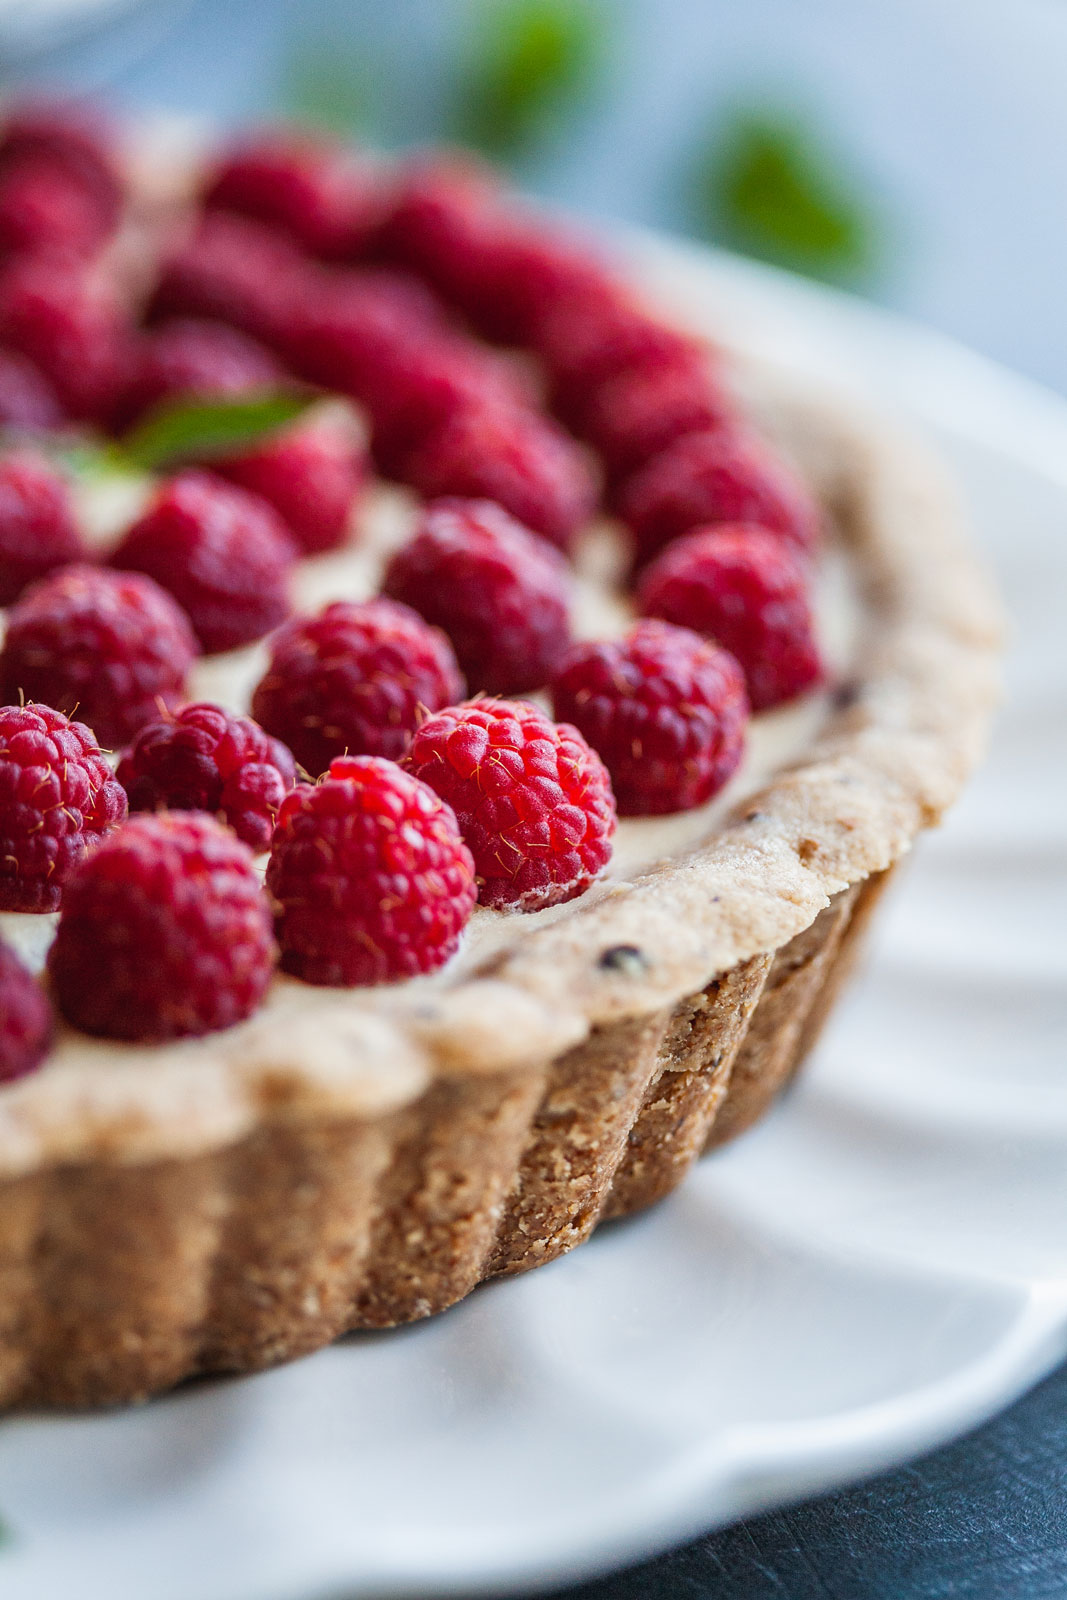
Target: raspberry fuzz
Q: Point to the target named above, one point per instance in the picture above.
(224, 555)
(37, 527)
(204, 759)
(498, 591)
(111, 645)
(165, 932)
(25, 1019)
(664, 708)
(750, 591)
(533, 801)
(354, 680)
(57, 796)
(372, 880)
(721, 476)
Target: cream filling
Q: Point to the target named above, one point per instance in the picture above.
(600, 609)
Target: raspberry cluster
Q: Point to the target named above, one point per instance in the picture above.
(304, 264)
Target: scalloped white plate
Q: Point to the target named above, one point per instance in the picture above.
(880, 1265)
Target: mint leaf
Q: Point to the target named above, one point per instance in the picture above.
(529, 63)
(195, 430)
(769, 190)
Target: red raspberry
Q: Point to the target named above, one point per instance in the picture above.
(421, 383)
(349, 324)
(371, 877)
(584, 342)
(165, 932)
(111, 645)
(37, 527)
(188, 359)
(311, 474)
(638, 413)
(224, 555)
(447, 223)
(499, 592)
(28, 402)
(76, 137)
(749, 591)
(664, 708)
(57, 797)
(45, 207)
(354, 680)
(25, 1019)
(318, 194)
(720, 476)
(533, 802)
(439, 223)
(68, 322)
(515, 457)
(204, 759)
(234, 270)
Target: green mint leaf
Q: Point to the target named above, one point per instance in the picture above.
(529, 64)
(327, 84)
(195, 430)
(766, 188)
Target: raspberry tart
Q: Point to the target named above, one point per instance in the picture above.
(430, 825)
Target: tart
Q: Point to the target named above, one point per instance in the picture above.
(360, 1155)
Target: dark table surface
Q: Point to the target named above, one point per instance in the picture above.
(983, 1519)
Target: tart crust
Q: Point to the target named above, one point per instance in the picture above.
(361, 1169)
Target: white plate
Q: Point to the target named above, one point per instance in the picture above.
(880, 1265)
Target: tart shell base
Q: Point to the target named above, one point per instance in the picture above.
(117, 1282)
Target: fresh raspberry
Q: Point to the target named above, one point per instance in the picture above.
(585, 342)
(37, 527)
(439, 223)
(421, 383)
(67, 320)
(638, 413)
(447, 222)
(25, 1019)
(498, 591)
(312, 475)
(232, 269)
(165, 931)
(328, 203)
(664, 708)
(111, 645)
(512, 456)
(205, 759)
(77, 137)
(28, 402)
(223, 553)
(749, 590)
(371, 876)
(354, 680)
(350, 323)
(533, 801)
(189, 359)
(57, 797)
(45, 207)
(720, 476)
